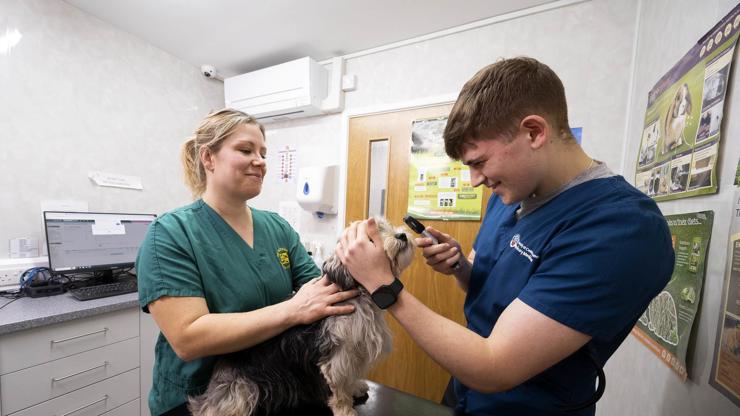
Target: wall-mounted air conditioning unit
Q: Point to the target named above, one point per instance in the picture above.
(286, 91)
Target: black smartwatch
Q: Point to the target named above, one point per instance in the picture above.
(386, 295)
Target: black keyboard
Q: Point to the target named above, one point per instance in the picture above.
(102, 291)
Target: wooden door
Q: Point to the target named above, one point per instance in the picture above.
(408, 368)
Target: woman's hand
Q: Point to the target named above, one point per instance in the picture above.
(361, 251)
(317, 299)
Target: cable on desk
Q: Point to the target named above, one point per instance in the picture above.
(15, 299)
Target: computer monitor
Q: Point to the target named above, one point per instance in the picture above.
(103, 243)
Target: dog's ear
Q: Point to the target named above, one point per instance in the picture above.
(688, 101)
(337, 273)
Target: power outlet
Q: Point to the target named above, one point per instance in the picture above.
(11, 270)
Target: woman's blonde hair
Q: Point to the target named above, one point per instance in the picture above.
(210, 134)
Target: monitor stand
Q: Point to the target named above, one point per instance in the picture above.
(107, 276)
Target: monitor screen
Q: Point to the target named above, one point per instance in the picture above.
(92, 241)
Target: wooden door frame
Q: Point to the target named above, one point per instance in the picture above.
(369, 111)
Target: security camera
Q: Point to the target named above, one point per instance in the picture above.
(209, 71)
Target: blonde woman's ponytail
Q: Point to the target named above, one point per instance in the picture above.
(192, 167)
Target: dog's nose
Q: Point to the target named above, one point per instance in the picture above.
(401, 236)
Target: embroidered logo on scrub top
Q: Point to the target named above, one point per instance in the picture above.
(522, 249)
(282, 255)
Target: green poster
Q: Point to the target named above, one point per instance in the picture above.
(439, 187)
(665, 327)
(681, 132)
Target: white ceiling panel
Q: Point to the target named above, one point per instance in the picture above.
(238, 36)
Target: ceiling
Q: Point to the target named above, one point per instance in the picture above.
(238, 36)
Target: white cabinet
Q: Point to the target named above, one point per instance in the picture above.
(88, 366)
(93, 400)
(148, 334)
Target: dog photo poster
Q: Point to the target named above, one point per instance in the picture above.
(665, 327)
(681, 132)
(439, 187)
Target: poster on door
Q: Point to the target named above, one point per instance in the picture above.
(439, 187)
(665, 326)
(725, 373)
(681, 131)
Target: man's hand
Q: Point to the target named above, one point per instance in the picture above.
(361, 251)
(443, 256)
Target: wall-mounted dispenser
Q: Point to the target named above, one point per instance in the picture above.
(317, 189)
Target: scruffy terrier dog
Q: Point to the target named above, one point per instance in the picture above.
(309, 366)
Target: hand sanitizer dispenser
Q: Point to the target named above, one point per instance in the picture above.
(317, 189)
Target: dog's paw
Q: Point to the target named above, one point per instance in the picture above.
(360, 389)
(344, 412)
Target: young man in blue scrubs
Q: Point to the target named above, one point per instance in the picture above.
(567, 258)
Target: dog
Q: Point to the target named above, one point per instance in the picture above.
(675, 119)
(310, 366)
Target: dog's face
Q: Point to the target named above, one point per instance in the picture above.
(681, 105)
(399, 248)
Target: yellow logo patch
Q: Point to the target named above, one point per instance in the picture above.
(282, 255)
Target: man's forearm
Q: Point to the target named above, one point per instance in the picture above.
(462, 274)
(465, 354)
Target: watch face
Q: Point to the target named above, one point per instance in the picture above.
(387, 295)
(383, 297)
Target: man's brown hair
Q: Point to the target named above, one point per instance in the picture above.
(499, 96)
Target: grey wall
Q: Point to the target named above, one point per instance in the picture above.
(637, 382)
(77, 94)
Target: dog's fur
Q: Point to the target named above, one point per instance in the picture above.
(675, 119)
(313, 365)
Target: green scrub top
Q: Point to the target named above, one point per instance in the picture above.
(192, 251)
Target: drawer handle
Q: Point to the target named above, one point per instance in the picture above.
(85, 406)
(55, 341)
(54, 380)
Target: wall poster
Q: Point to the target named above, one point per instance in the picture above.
(439, 187)
(681, 134)
(725, 374)
(665, 327)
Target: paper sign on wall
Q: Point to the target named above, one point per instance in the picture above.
(665, 327)
(115, 180)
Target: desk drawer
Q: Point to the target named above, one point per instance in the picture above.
(90, 401)
(23, 349)
(32, 385)
(129, 409)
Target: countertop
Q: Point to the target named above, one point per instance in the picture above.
(27, 313)
(387, 401)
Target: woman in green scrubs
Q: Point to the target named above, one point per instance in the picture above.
(216, 274)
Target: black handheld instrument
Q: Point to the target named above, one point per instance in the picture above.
(419, 228)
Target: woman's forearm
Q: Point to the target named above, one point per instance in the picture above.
(222, 333)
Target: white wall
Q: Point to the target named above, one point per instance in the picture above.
(77, 94)
(637, 382)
